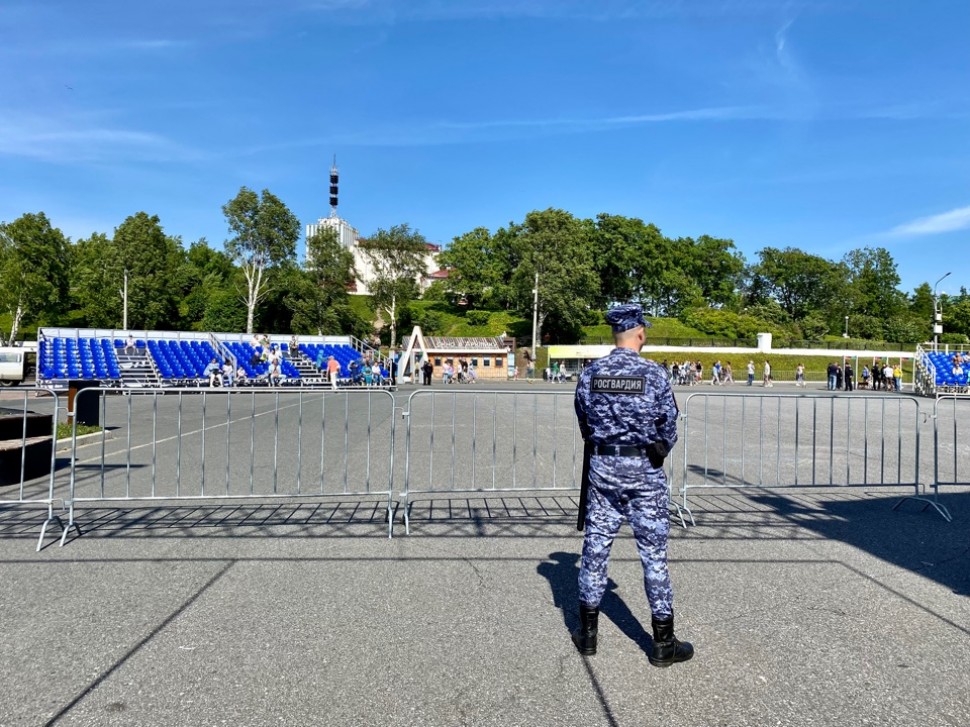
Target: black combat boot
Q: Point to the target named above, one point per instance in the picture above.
(667, 649)
(585, 636)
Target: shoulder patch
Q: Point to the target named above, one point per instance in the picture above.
(617, 384)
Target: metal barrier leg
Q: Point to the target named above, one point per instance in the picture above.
(927, 503)
(71, 524)
(51, 517)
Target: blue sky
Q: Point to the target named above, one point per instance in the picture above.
(822, 125)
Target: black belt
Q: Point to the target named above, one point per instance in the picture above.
(610, 450)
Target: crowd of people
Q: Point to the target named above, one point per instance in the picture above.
(462, 372)
(691, 373)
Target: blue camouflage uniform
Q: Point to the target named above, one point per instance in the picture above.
(625, 400)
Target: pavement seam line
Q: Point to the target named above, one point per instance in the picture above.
(137, 647)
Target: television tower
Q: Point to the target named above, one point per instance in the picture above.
(334, 181)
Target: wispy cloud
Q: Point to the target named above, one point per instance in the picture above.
(385, 11)
(956, 219)
(56, 141)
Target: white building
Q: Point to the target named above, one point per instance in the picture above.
(346, 234)
(350, 238)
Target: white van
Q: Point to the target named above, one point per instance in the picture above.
(13, 365)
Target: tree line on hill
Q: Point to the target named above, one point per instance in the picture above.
(574, 267)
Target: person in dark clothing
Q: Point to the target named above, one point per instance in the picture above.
(848, 377)
(427, 369)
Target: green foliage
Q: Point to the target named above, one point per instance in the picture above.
(222, 311)
(264, 236)
(432, 322)
(921, 302)
(477, 317)
(904, 329)
(477, 268)
(957, 338)
(33, 269)
(873, 282)
(151, 261)
(397, 259)
(317, 294)
(801, 283)
(813, 327)
(727, 324)
(555, 246)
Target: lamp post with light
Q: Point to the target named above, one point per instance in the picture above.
(937, 314)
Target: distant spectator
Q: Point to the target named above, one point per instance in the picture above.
(130, 345)
(241, 375)
(227, 373)
(750, 373)
(728, 373)
(214, 371)
(333, 371)
(427, 370)
(800, 375)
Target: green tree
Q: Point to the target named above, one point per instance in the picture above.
(33, 269)
(554, 247)
(206, 274)
(476, 268)
(873, 283)
(715, 266)
(318, 294)
(264, 236)
(151, 260)
(397, 261)
(921, 302)
(633, 261)
(803, 284)
(94, 282)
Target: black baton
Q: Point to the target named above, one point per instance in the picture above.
(584, 486)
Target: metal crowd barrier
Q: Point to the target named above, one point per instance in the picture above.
(228, 444)
(792, 440)
(34, 438)
(951, 440)
(490, 442)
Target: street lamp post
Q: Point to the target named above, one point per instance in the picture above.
(846, 334)
(535, 319)
(937, 314)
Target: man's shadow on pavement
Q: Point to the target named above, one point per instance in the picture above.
(563, 574)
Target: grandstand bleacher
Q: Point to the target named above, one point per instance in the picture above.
(941, 364)
(181, 359)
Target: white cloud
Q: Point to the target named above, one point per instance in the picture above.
(65, 142)
(956, 219)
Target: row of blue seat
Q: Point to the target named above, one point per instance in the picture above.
(943, 364)
(246, 354)
(181, 359)
(96, 358)
(70, 358)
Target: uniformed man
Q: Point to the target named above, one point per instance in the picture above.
(628, 414)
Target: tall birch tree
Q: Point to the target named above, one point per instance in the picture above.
(264, 236)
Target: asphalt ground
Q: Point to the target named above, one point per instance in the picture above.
(806, 605)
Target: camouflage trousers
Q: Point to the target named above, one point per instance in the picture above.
(646, 511)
